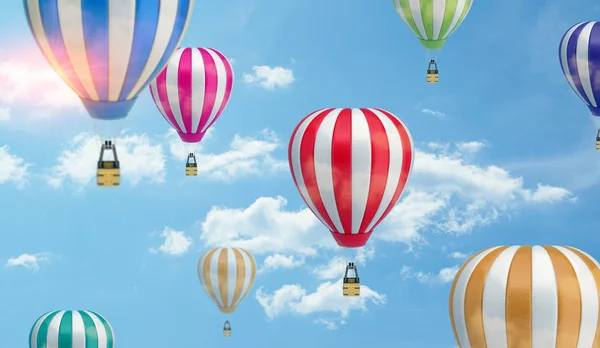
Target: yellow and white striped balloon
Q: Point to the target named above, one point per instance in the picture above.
(227, 275)
(527, 297)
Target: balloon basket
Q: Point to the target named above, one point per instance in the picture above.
(227, 329)
(351, 289)
(191, 167)
(108, 173)
(106, 177)
(433, 75)
(351, 285)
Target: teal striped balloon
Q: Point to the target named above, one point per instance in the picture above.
(432, 21)
(71, 329)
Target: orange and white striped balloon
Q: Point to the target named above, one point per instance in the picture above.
(227, 275)
(527, 297)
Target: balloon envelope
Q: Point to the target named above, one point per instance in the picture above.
(350, 167)
(579, 55)
(432, 21)
(108, 51)
(227, 276)
(71, 329)
(193, 90)
(522, 296)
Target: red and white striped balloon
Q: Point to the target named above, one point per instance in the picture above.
(192, 91)
(350, 167)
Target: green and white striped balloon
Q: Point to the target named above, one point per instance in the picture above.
(71, 329)
(432, 21)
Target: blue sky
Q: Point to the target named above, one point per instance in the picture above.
(505, 156)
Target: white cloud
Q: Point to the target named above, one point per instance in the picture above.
(449, 194)
(334, 269)
(5, 114)
(433, 112)
(294, 299)
(30, 261)
(329, 324)
(277, 261)
(29, 81)
(12, 168)
(550, 194)
(246, 156)
(470, 146)
(440, 147)
(265, 227)
(458, 255)
(444, 275)
(140, 160)
(415, 212)
(451, 173)
(176, 243)
(269, 77)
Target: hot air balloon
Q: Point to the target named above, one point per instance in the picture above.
(227, 275)
(192, 92)
(71, 329)
(579, 55)
(108, 51)
(523, 296)
(350, 167)
(432, 21)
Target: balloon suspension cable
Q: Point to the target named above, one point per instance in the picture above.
(433, 54)
(346, 257)
(97, 134)
(342, 253)
(189, 148)
(120, 123)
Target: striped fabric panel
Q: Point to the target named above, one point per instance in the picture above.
(432, 20)
(193, 90)
(108, 51)
(71, 329)
(227, 276)
(521, 296)
(579, 55)
(350, 167)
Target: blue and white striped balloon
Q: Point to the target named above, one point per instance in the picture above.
(108, 51)
(71, 329)
(579, 55)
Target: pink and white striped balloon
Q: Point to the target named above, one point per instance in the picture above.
(193, 90)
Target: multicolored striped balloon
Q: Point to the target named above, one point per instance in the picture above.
(432, 21)
(522, 296)
(579, 55)
(227, 275)
(350, 167)
(108, 51)
(193, 90)
(71, 329)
